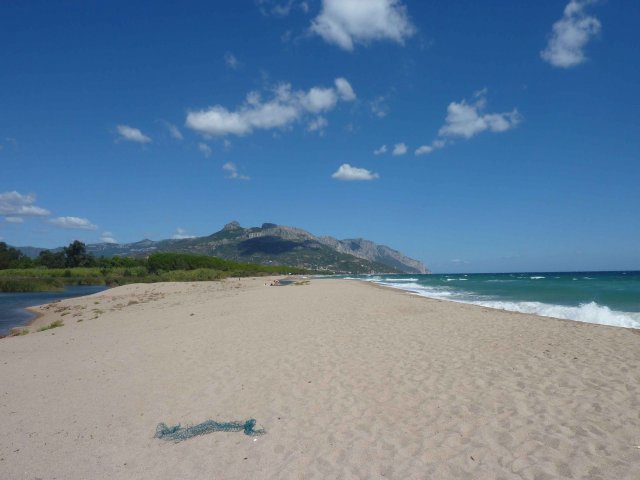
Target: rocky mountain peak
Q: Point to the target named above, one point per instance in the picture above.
(234, 225)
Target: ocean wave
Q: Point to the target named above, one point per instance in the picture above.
(590, 312)
(456, 279)
(432, 292)
(536, 278)
(587, 312)
(399, 279)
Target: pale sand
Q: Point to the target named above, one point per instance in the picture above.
(349, 380)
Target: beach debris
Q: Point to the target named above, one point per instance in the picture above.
(178, 433)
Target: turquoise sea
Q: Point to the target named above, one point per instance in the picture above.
(12, 305)
(607, 298)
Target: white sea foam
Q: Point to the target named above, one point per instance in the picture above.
(537, 278)
(432, 292)
(400, 280)
(588, 312)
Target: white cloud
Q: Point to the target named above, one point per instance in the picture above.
(205, 149)
(75, 223)
(15, 204)
(381, 150)
(399, 149)
(348, 173)
(181, 234)
(427, 149)
(319, 99)
(14, 219)
(231, 61)
(107, 237)
(344, 89)
(232, 170)
(317, 124)
(466, 120)
(349, 22)
(132, 134)
(424, 150)
(570, 35)
(173, 131)
(284, 108)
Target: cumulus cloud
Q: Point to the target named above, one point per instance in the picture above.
(15, 204)
(349, 22)
(319, 99)
(232, 171)
(14, 219)
(427, 149)
(467, 119)
(348, 173)
(231, 61)
(132, 134)
(399, 149)
(284, 108)
(381, 150)
(181, 234)
(107, 237)
(72, 223)
(424, 150)
(205, 149)
(570, 35)
(317, 124)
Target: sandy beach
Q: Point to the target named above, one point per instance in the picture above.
(349, 380)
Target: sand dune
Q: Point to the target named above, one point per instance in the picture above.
(349, 380)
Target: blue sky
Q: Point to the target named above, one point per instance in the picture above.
(123, 120)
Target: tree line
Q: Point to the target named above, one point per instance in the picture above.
(72, 256)
(75, 255)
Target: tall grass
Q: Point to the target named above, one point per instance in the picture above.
(23, 285)
(161, 267)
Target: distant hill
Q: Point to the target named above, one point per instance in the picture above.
(31, 252)
(277, 245)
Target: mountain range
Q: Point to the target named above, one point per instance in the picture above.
(273, 244)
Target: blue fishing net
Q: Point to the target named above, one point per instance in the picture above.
(178, 433)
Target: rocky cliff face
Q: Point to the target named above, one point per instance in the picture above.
(358, 247)
(366, 249)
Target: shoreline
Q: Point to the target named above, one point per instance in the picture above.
(36, 311)
(41, 318)
(346, 380)
(623, 319)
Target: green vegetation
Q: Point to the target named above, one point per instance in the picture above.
(54, 324)
(12, 258)
(51, 271)
(19, 284)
